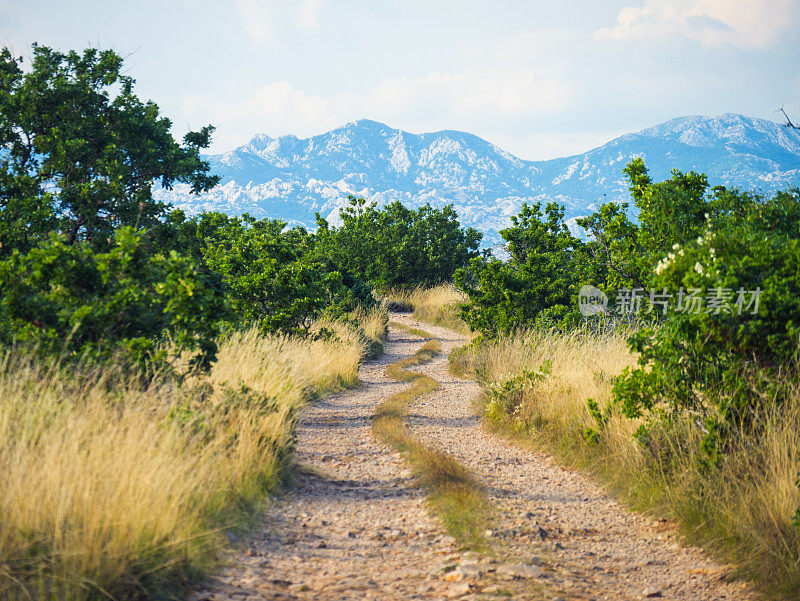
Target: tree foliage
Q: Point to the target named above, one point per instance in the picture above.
(669, 213)
(81, 152)
(396, 246)
(271, 275)
(739, 250)
(74, 301)
(727, 359)
(537, 282)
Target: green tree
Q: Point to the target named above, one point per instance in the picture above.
(270, 274)
(733, 354)
(538, 282)
(81, 152)
(670, 213)
(396, 246)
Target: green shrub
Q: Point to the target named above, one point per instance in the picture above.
(270, 274)
(725, 360)
(537, 283)
(397, 247)
(504, 398)
(72, 300)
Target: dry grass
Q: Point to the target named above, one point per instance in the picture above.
(108, 491)
(437, 305)
(580, 366)
(742, 511)
(454, 494)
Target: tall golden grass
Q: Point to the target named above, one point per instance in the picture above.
(113, 491)
(743, 510)
(438, 305)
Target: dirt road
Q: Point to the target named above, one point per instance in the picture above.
(355, 525)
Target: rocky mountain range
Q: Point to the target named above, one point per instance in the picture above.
(292, 178)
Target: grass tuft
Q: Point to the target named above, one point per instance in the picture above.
(454, 494)
(439, 305)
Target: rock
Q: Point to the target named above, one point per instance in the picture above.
(465, 570)
(406, 474)
(488, 533)
(541, 533)
(651, 592)
(459, 590)
(535, 560)
(520, 570)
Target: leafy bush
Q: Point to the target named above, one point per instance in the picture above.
(537, 282)
(722, 362)
(70, 299)
(270, 274)
(669, 212)
(504, 398)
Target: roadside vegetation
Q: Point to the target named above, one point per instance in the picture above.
(154, 363)
(439, 305)
(686, 409)
(110, 489)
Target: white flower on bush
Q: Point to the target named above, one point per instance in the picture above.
(665, 262)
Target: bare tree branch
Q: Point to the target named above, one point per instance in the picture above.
(788, 123)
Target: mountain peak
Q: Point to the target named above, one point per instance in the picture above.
(725, 129)
(365, 123)
(260, 141)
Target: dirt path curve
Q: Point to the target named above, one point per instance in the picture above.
(352, 525)
(588, 545)
(355, 526)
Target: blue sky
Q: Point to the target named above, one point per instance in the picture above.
(539, 79)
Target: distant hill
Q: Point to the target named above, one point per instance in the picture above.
(291, 178)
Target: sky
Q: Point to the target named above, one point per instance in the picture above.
(539, 79)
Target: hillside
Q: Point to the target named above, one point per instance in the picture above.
(292, 178)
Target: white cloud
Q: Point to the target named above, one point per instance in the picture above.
(744, 23)
(265, 19)
(472, 100)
